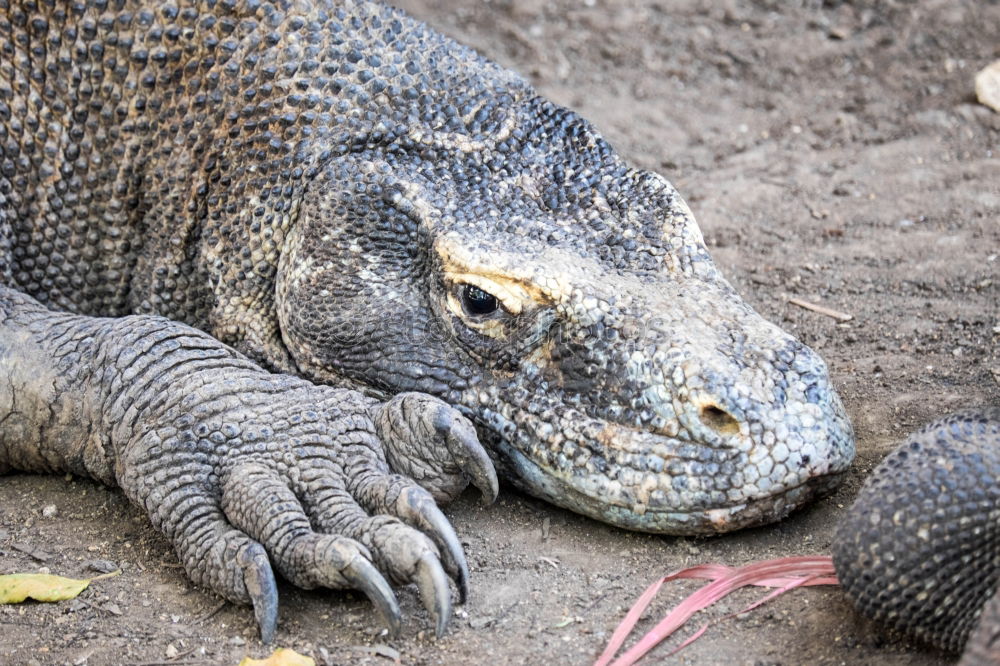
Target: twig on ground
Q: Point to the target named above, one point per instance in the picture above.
(836, 314)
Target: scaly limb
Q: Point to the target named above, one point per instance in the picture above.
(240, 468)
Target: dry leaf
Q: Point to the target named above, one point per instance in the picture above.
(280, 657)
(15, 588)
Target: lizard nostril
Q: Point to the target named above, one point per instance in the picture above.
(719, 420)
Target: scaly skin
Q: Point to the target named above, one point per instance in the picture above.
(920, 548)
(339, 193)
(230, 450)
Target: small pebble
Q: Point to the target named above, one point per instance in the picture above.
(49, 511)
(172, 651)
(988, 86)
(480, 622)
(102, 566)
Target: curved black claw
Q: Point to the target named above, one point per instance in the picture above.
(258, 577)
(432, 443)
(363, 575)
(422, 512)
(467, 452)
(434, 591)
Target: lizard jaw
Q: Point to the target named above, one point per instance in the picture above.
(681, 484)
(621, 512)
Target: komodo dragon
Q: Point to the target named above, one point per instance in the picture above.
(243, 244)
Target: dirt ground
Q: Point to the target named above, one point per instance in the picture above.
(832, 152)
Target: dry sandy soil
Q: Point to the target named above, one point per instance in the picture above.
(832, 152)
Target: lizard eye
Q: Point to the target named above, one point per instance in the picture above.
(478, 303)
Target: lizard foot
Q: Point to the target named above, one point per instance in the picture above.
(307, 490)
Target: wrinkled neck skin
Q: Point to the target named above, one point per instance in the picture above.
(620, 376)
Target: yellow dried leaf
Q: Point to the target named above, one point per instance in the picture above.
(15, 588)
(280, 657)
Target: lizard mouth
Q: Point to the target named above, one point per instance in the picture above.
(623, 509)
(751, 513)
(652, 482)
(705, 460)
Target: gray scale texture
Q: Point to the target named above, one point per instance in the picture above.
(196, 196)
(983, 646)
(920, 548)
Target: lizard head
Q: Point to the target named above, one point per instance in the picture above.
(567, 304)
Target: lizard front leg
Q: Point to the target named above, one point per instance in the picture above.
(238, 467)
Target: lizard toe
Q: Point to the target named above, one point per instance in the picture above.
(395, 495)
(467, 451)
(257, 499)
(409, 556)
(214, 552)
(417, 508)
(434, 591)
(258, 578)
(363, 575)
(431, 442)
(228, 562)
(399, 551)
